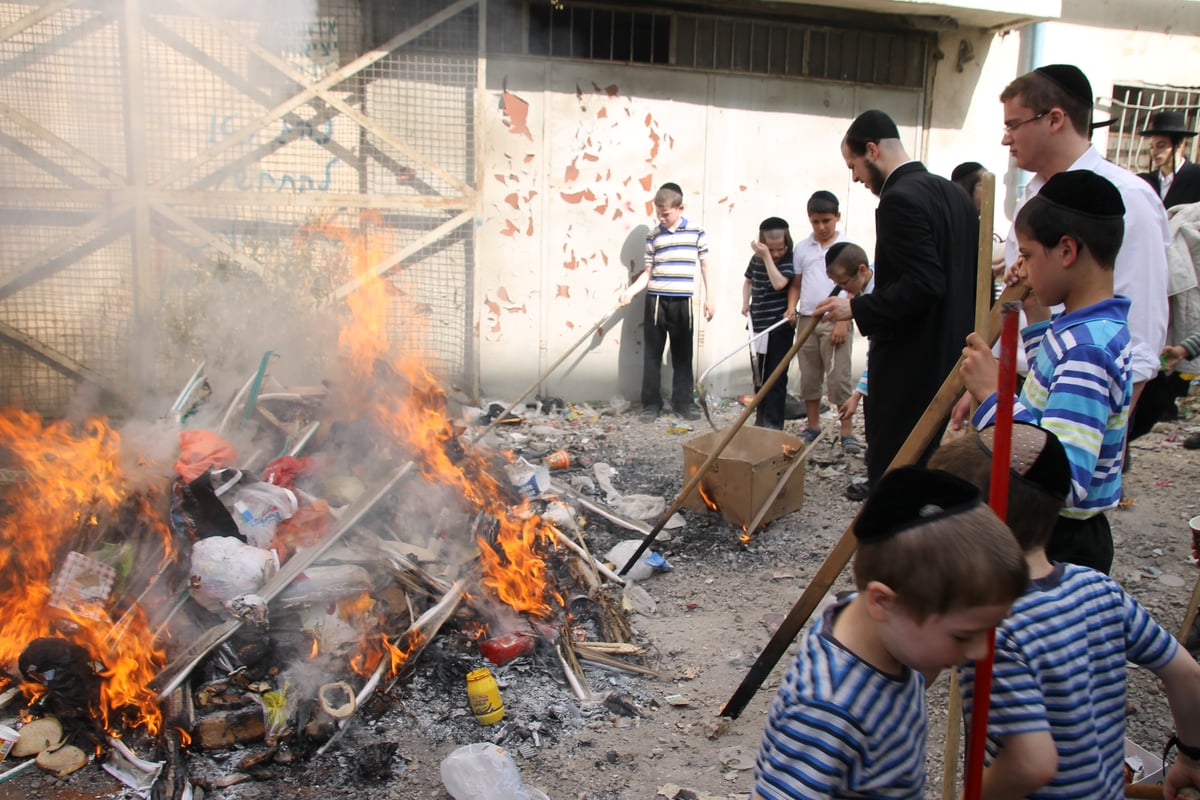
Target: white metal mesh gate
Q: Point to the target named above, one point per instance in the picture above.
(172, 181)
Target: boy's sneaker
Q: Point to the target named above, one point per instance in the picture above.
(850, 445)
(809, 435)
(650, 413)
(689, 412)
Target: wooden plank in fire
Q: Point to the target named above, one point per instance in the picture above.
(182, 666)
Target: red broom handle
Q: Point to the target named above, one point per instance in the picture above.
(998, 500)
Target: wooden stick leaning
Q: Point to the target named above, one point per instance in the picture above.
(596, 328)
(983, 295)
(923, 432)
(1189, 616)
(724, 441)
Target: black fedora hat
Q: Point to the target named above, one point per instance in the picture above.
(1168, 123)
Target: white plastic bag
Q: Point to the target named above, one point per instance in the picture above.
(224, 568)
(482, 771)
(257, 508)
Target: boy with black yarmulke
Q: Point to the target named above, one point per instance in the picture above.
(935, 571)
(1079, 385)
(1056, 723)
(765, 301)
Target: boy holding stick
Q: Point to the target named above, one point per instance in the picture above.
(935, 571)
(1079, 385)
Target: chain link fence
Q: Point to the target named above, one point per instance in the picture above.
(175, 185)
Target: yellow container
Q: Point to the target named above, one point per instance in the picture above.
(484, 696)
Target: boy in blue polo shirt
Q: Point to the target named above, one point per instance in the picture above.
(1080, 382)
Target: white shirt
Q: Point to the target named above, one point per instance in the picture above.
(808, 262)
(1141, 270)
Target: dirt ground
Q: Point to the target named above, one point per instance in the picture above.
(714, 612)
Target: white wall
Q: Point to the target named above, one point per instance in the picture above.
(566, 201)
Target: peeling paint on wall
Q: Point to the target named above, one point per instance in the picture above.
(516, 114)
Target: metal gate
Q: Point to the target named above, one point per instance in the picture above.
(174, 175)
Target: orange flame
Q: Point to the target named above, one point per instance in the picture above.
(410, 410)
(708, 501)
(71, 482)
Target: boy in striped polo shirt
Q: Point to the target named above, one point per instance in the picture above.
(935, 571)
(676, 251)
(1056, 722)
(1080, 379)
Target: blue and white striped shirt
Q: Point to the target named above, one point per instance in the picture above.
(1079, 388)
(673, 258)
(841, 728)
(1060, 666)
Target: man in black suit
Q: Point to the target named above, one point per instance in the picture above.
(1176, 179)
(923, 305)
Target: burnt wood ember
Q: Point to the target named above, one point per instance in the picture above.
(374, 762)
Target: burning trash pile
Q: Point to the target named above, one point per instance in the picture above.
(353, 552)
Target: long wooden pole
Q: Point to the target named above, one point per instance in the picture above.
(598, 327)
(922, 434)
(983, 297)
(726, 438)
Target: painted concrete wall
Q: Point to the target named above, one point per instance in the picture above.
(572, 156)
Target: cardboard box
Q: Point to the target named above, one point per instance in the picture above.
(745, 473)
(1151, 763)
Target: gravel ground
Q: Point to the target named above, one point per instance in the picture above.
(713, 612)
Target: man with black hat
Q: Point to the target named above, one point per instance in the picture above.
(1047, 128)
(923, 304)
(1176, 179)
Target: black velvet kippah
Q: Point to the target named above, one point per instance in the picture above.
(834, 251)
(871, 126)
(773, 224)
(908, 497)
(823, 194)
(1070, 79)
(966, 168)
(1038, 458)
(674, 187)
(1084, 192)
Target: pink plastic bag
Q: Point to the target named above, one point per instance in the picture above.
(199, 450)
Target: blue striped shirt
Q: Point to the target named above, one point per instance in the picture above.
(1060, 666)
(1079, 388)
(673, 258)
(841, 728)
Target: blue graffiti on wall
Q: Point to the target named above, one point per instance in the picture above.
(221, 127)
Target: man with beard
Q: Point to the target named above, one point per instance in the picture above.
(922, 308)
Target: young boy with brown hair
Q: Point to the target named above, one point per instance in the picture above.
(1056, 723)
(824, 358)
(676, 261)
(1079, 385)
(935, 571)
